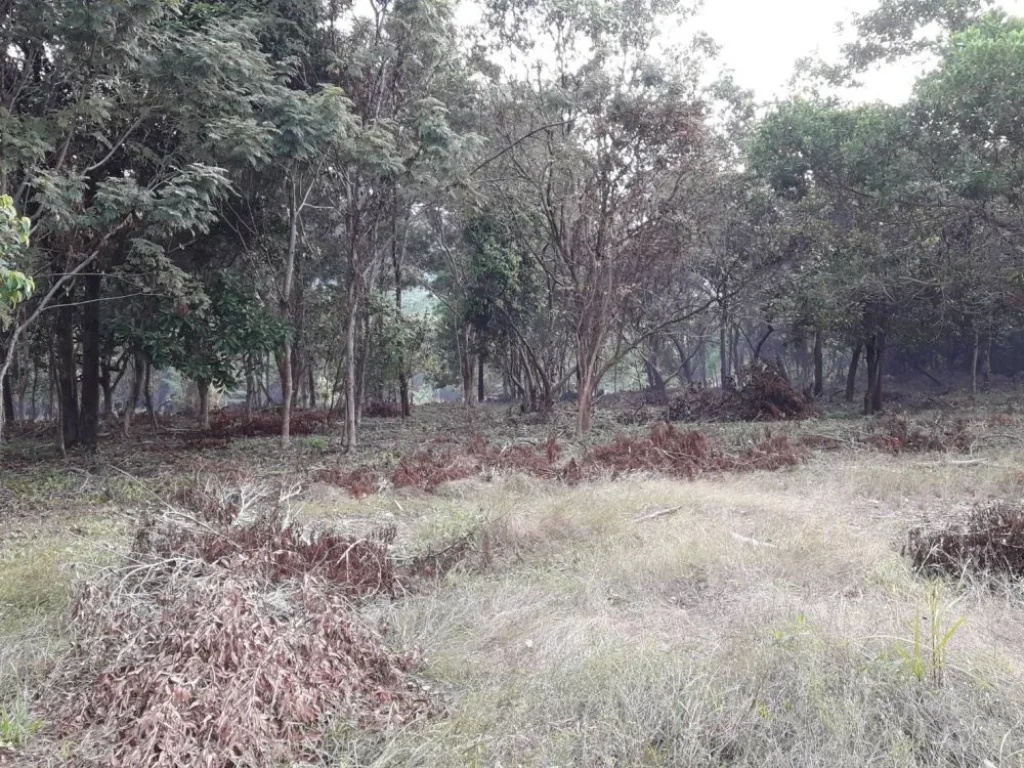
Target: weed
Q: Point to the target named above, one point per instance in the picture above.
(924, 654)
(17, 725)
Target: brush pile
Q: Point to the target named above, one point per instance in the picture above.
(220, 644)
(990, 540)
(899, 435)
(664, 450)
(765, 396)
(231, 424)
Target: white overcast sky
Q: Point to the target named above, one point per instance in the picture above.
(761, 41)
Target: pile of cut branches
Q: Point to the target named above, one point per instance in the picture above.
(990, 540)
(220, 644)
(766, 395)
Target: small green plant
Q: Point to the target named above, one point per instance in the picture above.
(17, 725)
(791, 630)
(316, 443)
(924, 654)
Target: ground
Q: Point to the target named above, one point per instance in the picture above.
(741, 619)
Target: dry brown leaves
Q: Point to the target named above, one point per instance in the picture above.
(765, 396)
(665, 450)
(990, 540)
(223, 645)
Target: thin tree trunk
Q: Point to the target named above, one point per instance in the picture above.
(874, 398)
(204, 404)
(148, 391)
(8, 398)
(723, 345)
(819, 363)
(851, 375)
(481, 391)
(67, 374)
(138, 374)
(285, 308)
(108, 391)
(89, 414)
(466, 367)
(975, 348)
(35, 390)
(986, 365)
(312, 384)
(877, 394)
(350, 362)
(585, 401)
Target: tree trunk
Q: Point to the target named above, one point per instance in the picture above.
(138, 374)
(108, 391)
(585, 401)
(723, 343)
(819, 363)
(975, 348)
(655, 381)
(350, 382)
(8, 407)
(286, 394)
(204, 403)
(481, 390)
(252, 391)
(148, 392)
(67, 373)
(312, 384)
(986, 365)
(89, 414)
(736, 352)
(466, 367)
(851, 375)
(873, 398)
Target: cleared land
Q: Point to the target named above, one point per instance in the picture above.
(743, 619)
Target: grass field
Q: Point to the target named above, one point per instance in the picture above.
(757, 619)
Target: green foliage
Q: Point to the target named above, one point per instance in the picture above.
(17, 725)
(924, 655)
(15, 286)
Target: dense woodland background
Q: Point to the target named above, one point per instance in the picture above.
(317, 204)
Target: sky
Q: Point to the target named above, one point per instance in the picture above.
(761, 41)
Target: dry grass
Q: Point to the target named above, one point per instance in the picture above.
(761, 619)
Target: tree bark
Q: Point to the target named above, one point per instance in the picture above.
(877, 394)
(312, 384)
(585, 401)
(204, 403)
(975, 348)
(350, 363)
(986, 365)
(138, 374)
(723, 342)
(107, 386)
(851, 375)
(466, 367)
(8, 398)
(875, 348)
(819, 363)
(89, 413)
(148, 392)
(67, 373)
(481, 390)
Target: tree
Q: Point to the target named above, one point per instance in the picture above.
(613, 134)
